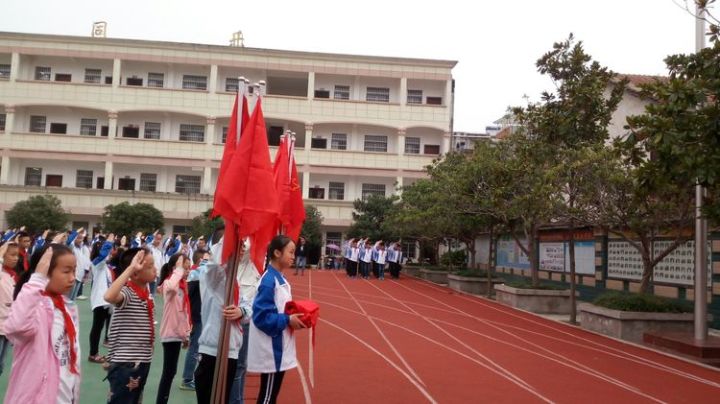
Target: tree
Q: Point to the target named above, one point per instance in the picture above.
(312, 233)
(126, 219)
(203, 225)
(573, 120)
(38, 213)
(369, 218)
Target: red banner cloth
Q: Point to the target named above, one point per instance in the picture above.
(310, 311)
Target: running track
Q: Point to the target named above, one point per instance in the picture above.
(410, 341)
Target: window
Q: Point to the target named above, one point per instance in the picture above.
(318, 143)
(58, 128)
(322, 93)
(63, 77)
(108, 79)
(414, 97)
(181, 229)
(134, 81)
(336, 191)
(126, 184)
(224, 134)
(2, 122)
(338, 141)
(378, 94)
(93, 76)
(316, 193)
(156, 80)
(191, 82)
(104, 130)
(131, 131)
(231, 84)
(101, 183)
(37, 124)
(342, 93)
(408, 249)
(4, 72)
(152, 130)
(148, 182)
(274, 135)
(372, 189)
(83, 179)
(412, 145)
(42, 73)
(187, 184)
(375, 143)
(192, 133)
(434, 100)
(88, 127)
(53, 180)
(432, 149)
(333, 238)
(33, 176)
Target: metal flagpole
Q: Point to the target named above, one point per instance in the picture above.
(221, 358)
(701, 329)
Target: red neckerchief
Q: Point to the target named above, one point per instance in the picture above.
(11, 272)
(186, 299)
(59, 304)
(23, 256)
(144, 294)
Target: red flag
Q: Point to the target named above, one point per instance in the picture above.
(228, 151)
(248, 187)
(292, 209)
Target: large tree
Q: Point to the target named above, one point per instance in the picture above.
(311, 231)
(126, 219)
(369, 217)
(203, 225)
(38, 213)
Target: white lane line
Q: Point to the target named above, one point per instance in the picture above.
(311, 349)
(306, 390)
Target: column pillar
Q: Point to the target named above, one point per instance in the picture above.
(356, 90)
(306, 185)
(112, 125)
(108, 175)
(213, 79)
(399, 184)
(448, 93)
(9, 119)
(210, 131)
(207, 180)
(5, 170)
(308, 135)
(14, 66)
(403, 91)
(116, 73)
(445, 143)
(311, 86)
(401, 142)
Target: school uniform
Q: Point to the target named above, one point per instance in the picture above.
(379, 258)
(365, 262)
(353, 259)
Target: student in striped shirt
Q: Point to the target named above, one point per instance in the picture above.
(131, 332)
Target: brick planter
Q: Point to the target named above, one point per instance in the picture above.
(434, 276)
(534, 300)
(412, 270)
(632, 325)
(474, 285)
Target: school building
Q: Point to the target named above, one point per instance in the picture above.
(98, 121)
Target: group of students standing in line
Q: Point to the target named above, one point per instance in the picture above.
(361, 256)
(39, 318)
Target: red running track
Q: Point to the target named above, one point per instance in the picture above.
(409, 341)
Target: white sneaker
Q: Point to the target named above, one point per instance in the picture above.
(81, 298)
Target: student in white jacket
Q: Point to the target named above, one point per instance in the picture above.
(271, 348)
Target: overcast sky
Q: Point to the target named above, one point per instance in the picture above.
(496, 43)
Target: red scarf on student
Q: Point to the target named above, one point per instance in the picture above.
(144, 294)
(11, 272)
(186, 299)
(59, 304)
(25, 261)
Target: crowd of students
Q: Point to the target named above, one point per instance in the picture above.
(361, 257)
(42, 276)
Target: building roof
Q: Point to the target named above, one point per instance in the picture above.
(636, 81)
(227, 49)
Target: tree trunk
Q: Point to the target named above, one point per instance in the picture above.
(648, 265)
(532, 255)
(573, 287)
(490, 264)
(471, 248)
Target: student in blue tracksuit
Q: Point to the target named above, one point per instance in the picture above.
(271, 346)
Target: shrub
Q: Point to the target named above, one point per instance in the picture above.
(525, 284)
(453, 258)
(642, 303)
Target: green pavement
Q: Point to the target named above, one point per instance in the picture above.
(94, 390)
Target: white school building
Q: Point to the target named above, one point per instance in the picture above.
(99, 121)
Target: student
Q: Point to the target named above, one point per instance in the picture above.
(43, 328)
(379, 258)
(301, 257)
(131, 332)
(397, 256)
(353, 258)
(8, 279)
(156, 249)
(175, 325)
(366, 260)
(76, 241)
(101, 280)
(200, 257)
(214, 312)
(23, 241)
(271, 349)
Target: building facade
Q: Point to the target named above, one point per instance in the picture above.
(99, 121)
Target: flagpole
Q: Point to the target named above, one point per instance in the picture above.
(221, 358)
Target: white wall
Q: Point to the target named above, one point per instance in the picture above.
(328, 82)
(362, 83)
(427, 137)
(69, 172)
(74, 66)
(129, 68)
(70, 117)
(430, 88)
(253, 75)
